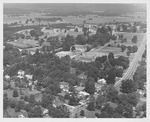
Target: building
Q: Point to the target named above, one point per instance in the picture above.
(64, 86)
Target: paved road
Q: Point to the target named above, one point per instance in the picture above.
(133, 65)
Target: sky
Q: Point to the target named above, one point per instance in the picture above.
(139, 7)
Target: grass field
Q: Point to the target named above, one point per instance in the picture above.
(73, 19)
(129, 37)
(24, 43)
(97, 52)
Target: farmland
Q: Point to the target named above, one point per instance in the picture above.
(73, 19)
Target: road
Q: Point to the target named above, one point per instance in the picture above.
(133, 65)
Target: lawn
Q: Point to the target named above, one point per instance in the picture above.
(129, 37)
(24, 43)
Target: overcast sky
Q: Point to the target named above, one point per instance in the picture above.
(84, 7)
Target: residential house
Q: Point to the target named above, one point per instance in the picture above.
(29, 77)
(101, 81)
(64, 86)
(79, 88)
(57, 102)
(21, 72)
(7, 77)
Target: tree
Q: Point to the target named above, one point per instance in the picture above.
(116, 115)
(15, 93)
(5, 103)
(134, 39)
(73, 48)
(121, 36)
(53, 88)
(27, 107)
(81, 40)
(12, 103)
(100, 100)
(134, 49)
(90, 86)
(47, 99)
(54, 42)
(91, 106)
(128, 53)
(110, 55)
(32, 99)
(119, 109)
(20, 105)
(82, 113)
(107, 111)
(113, 37)
(93, 72)
(36, 112)
(111, 93)
(32, 33)
(73, 99)
(111, 76)
(128, 86)
(123, 48)
(101, 59)
(58, 112)
(86, 31)
(133, 98)
(68, 42)
(119, 72)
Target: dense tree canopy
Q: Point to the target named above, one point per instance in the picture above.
(128, 86)
(90, 86)
(68, 42)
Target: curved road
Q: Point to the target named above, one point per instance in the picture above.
(133, 65)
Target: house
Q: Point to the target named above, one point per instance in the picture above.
(98, 86)
(101, 81)
(57, 102)
(29, 77)
(70, 108)
(63, 93)
(73, 33)
(7, 77)
(79, 88)
(81, 48)
(83, 94)
(82, 76)
(21, 72)
(44, 111)
(64, 86)
(64, 53)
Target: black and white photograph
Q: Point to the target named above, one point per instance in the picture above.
(74, 60)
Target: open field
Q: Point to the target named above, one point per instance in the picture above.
(97, 52)
(24, 43)
(129, 37)
(99, 19)
(72, 19)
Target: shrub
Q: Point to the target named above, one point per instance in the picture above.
(15, 93)
(27, 107)
(82, 112)
(22, 97)
(26, 98)
(12, 103)
(21, 92)
(128, 86)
